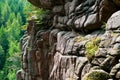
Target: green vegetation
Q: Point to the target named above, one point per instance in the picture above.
(92, 47)
(96, 75)
(13, 22)
(38, 14)
(104, 25)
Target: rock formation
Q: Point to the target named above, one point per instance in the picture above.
(80, 40)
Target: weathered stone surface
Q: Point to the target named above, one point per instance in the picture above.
(19, 75)
(113, 23)
(58, 10)
(108, 63)
(114, 52)
(70, 71)
(114, 70)
(118, 74)
(60, 52)
(83, 16)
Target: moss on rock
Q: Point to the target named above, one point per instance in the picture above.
(96, 75)
(91, 47)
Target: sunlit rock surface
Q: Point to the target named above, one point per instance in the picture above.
(84, 38)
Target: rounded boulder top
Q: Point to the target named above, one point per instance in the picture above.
(113, 22)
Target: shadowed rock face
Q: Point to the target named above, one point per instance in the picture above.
(64, 52)
(47, 4)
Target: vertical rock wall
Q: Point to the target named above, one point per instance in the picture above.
(75, 46)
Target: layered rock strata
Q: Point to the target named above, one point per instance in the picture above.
(80, 41)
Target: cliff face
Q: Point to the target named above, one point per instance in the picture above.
(73, 45)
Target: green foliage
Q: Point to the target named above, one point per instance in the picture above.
(33, 12)
(2, 57)
(12, 75)
(11, 20)
(92, 47)
(37, 14)
(104, 25)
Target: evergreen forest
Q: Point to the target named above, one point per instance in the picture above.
(13, 21)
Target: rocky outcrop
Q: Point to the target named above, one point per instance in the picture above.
(80, 15)
(80, 40)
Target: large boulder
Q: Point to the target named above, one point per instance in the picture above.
(114, 22)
